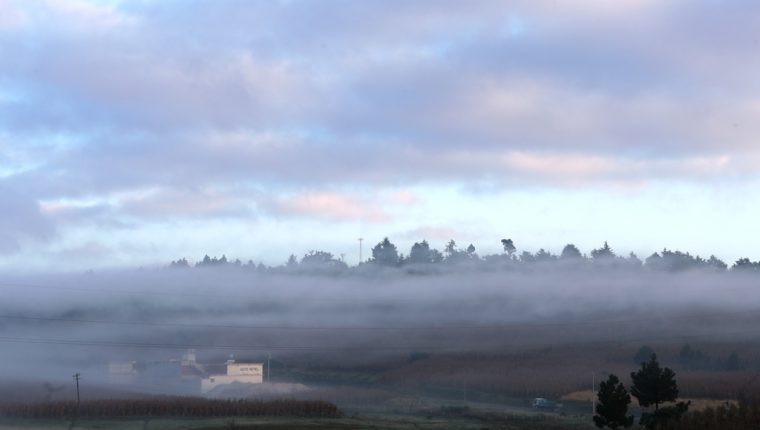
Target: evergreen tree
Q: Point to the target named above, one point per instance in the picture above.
(612, 407)
(653, 386)
(385, 253)
(571, 252)
(181, 263)
(291, 263)
(603, 253)
(420, 253)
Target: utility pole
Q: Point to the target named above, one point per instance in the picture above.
(360, 249)
(76, 378)
(269, 360)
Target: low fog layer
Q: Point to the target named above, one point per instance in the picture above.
(52, 326)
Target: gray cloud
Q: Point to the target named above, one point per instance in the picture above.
(178, 101)
(21, 221)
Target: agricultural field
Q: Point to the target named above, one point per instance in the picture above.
(440, 421)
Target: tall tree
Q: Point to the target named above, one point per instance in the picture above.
(385, 253)
(571, 252)
(653, 386)
(421, 253)
(291, 263)
(612, 406)
(605, 252)
(453, 254)
(509, 247)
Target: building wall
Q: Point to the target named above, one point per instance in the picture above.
(208, 384)
(243, 373)
(245, 369)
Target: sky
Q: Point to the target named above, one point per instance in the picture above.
(137, 132)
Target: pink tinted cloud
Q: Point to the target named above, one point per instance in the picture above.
(169, 202)
(404, 197)
(334, 207)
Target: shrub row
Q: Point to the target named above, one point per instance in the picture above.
(171, 407)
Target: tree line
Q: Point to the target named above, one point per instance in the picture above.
(422, 257)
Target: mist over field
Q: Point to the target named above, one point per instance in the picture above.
(54, 325)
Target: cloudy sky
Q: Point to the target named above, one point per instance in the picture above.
(136, 132)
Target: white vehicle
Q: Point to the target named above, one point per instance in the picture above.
(546, 404)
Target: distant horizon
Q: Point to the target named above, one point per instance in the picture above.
(404, 256)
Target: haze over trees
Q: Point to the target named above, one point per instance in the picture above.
(422, 257)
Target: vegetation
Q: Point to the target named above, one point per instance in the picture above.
(612, 408)
(694, 359)
(171, 407)
(729, 416)
(653, 386)
(422, 256)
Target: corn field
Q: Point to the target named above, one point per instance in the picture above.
(172, 407)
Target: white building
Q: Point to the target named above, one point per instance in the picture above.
(243, 373)
(123, 372)
(189, 366)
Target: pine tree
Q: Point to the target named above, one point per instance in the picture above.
(653, 386)
(612, 407)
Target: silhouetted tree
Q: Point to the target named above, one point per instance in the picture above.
(717, 264)
(527, 257)
(471, 255)
(676, 261)
(212, 262)
(745, 265)
(605, 252)
(634, 261)
(320, 260)
(180, 264)
(421, 253)
(385, 253)
(654, 262)
(571, 252)
(612, 406)
(509, 246)
(454, 255)
(653, 386)
(543, 256)
(450, 249)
